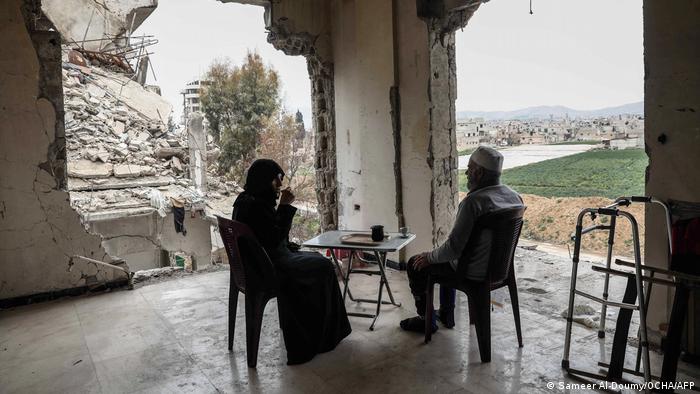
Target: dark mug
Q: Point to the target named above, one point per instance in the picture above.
(377, 233)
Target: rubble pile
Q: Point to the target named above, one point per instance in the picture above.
(120, 150)
(102, 129)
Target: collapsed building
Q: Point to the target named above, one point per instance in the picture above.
(128, 173)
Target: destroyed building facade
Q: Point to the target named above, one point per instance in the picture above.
(383, 89)
(127, 171)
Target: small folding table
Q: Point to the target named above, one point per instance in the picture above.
(393, 242)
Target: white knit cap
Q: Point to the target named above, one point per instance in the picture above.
(488, 158)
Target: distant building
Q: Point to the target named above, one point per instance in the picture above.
(190, 98)
(469, 133)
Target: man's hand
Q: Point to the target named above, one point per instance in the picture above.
(287, 197)
(421, 261)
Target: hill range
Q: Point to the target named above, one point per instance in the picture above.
(556, 111)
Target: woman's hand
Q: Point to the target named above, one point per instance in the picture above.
(287, 197)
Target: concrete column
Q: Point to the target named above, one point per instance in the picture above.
(323, 108)
(300, 29)
(362, 55)
(197, 145)
(672, 134)
(380, 49)
(383, 110)
(142, 72)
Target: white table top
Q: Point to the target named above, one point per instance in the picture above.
(331, 239)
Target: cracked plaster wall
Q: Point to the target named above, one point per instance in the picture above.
(38, 229)
(300, 29)
(671, 110)
(363, 60)
(140, 239)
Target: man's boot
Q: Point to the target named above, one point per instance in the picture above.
(417, 324)
(447, 317)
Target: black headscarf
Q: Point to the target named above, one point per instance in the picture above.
(259, 179)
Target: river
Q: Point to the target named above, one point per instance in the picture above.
(521, 155)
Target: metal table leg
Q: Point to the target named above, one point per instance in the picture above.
(346, 278)
(382, 266)
(383, 281)
(379, 301)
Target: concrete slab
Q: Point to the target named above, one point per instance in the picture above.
(132, 171)
(87, 169)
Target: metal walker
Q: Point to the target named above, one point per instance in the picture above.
(636, 296)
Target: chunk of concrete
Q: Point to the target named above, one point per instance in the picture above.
(78, 20)
(142, 136)
(95, 91)
(132, 171)
(118, 128)
(166, 153)
(176, 164)
(98, 154)
(86, 169)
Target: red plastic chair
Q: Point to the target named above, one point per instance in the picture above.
(505, 226)
(253, 274)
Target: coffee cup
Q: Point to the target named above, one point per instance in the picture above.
(404, 232)
(377, 233)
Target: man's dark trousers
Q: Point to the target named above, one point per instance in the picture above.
(418, 282)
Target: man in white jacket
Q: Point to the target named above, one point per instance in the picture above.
(486, 194)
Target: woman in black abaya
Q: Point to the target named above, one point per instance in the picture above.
(311, 310)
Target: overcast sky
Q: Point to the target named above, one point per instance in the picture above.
(192, 34)
(584, 54)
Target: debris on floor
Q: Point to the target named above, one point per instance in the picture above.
(584, 314)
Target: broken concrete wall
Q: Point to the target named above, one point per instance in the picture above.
(323, 109)
(197, 242)
(39, 232)
(672, 126)
(442, 91)
(79, 20)
(140, 239)
(302, 28)
(132, 239)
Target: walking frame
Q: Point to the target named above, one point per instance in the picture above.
(636, 296)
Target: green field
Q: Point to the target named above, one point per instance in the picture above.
(604, 173)
(465, 152)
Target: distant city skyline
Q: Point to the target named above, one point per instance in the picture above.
(584, 55)
(557, 111)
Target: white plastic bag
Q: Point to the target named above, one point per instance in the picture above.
(159, 202)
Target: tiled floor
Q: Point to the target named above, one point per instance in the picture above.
(170, 337)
